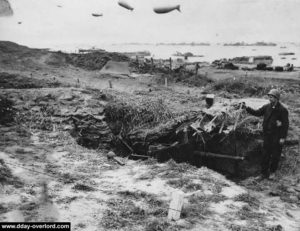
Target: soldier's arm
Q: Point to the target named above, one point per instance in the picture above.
(258, 112)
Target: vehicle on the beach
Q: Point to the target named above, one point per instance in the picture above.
(254, 60)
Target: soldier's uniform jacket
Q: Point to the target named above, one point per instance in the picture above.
(276, 121)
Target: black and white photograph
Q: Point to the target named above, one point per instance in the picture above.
(154, 115)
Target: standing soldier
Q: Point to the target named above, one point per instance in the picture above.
(196, 68)
(275, 128)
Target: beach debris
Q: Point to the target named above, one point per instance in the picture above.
(166, 9)
(97, 15)
(19, 22)
(125, 5)
(59, 6)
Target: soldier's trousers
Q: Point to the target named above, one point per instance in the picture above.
(271, 154)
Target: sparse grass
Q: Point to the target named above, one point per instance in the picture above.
(157, 225)
(247, 198)
(83, 187)
(241, 86)
(254, 227)
(248, 213)
(196, 209)
(151, 199)
(6, 110)
(187, 78)
(169, 170)
(179, 182)
(290, 165)
(22, 82)
(6, 176)
(214, 198)
(123, 213)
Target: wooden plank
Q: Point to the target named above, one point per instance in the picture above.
(153, 150)
(216, 155)
(118, 160)
(176, 205)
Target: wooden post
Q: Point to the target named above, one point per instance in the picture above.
(170, 63)
(110, 84)
(166, 82)
(176, 205)
(186, 137)
(299, 146)
(152, 65)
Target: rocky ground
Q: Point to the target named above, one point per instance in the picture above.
(47, 175)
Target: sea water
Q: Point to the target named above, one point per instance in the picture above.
(207, 53)
(217, 51)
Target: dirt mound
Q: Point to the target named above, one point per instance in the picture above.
(6, 110)
(21, 82)
(14, 56)
(56, 59)
(12, 53)
(94, 60)
(81, 112)
(113, 67)
(7, 47)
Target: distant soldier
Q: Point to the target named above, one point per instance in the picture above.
(196, 68)
(275, 128)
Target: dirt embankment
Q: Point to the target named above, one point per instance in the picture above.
(47, 175)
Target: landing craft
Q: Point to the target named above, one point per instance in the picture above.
(125, 5)
(166, 9)
(97, 15)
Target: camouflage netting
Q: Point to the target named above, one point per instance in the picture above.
(129, 112)
(149, 128)
(94, 60)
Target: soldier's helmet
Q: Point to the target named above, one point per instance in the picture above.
(275, 93)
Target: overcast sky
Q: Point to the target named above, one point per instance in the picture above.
(44, 22)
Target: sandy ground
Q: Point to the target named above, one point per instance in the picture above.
(52, 178)
(82, 184)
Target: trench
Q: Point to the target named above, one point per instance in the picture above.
(96, 120)
(236, 155)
